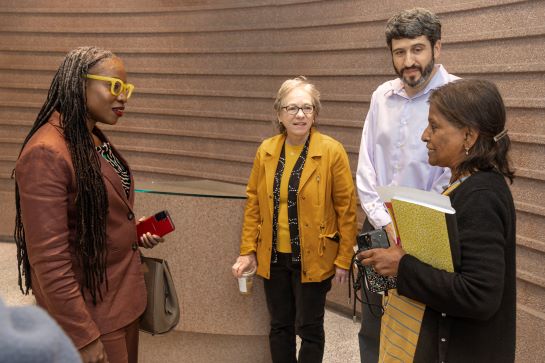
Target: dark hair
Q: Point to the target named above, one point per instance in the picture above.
(288, 86)
(413, 23)
(67, 96)
(478, 105)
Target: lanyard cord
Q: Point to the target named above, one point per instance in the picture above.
(455, 184)
(356, 285)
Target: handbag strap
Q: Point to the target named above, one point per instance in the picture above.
(170, 306)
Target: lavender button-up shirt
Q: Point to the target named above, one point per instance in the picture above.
(391, 152)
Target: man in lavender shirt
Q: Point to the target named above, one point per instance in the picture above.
(391, 152)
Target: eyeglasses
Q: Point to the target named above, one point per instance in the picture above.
(293, 109)
(117, 86)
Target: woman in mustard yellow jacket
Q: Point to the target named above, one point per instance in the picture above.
(299, 223)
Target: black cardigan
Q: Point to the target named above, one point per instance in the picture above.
(470, 313)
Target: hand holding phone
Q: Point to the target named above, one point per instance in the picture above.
(374, 281)
(373, 239)
(158, 224)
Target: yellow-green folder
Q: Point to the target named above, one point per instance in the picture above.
(425, 224)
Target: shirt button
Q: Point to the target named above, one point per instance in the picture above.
(130, 216)
(443, 340)
(134, 246)
(303, 197)
(443, 315)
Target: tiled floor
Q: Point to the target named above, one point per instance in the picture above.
(341, 332)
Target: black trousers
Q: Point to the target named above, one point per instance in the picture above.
(369, 334)
(295, 308)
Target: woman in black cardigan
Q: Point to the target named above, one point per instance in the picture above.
(470, 313)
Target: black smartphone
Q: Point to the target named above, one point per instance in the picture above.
(373, 281)
(373, 239)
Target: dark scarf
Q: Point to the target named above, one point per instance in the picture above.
(293, 186)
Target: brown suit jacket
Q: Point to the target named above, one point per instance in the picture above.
(46, 180)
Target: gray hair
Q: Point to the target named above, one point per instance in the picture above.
(288, 86)
(413, 23)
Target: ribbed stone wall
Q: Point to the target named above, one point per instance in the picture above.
(206, 74)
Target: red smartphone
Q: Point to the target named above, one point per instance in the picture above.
(158, 224)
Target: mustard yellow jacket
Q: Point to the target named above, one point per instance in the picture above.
(326, 206)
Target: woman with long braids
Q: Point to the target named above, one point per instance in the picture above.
(75, 231)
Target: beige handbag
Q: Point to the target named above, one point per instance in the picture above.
(162, 312)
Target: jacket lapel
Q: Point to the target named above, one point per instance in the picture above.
(314, 154)
(272, 155)
(111, 177)
(131, 189)
(109, 174)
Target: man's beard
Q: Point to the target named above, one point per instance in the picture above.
(424, 74)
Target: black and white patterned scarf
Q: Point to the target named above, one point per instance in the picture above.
(293, 186)
(105, 150)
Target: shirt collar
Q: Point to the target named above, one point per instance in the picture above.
(397, 87)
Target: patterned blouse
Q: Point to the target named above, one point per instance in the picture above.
(105, 150)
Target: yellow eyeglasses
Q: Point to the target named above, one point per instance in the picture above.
(117, 86)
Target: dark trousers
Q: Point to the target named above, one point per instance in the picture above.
(295, 308)
(369, 335)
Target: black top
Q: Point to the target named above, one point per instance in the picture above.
(471, 313)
